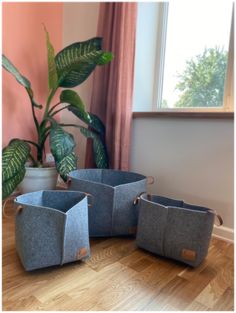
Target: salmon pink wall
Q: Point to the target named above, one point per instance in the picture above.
(24, 44)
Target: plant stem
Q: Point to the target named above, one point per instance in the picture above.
(35, 163)
(53, 107)
(45, 137)
(34, 117)
(54, 113)
(46, 129)
(51, 95)
(32, 143)
(30, 94)
(71, 125)
(42, 130)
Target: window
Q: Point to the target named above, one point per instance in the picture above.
(187, 62)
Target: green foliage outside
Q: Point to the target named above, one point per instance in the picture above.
(202, 82)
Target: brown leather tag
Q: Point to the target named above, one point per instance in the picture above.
(82, 252)
(189, 255)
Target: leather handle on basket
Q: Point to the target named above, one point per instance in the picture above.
(150, 180)
(91, 197)
(5, 205)
(217, 217)
(68, 182)
(137, 199)
(19, 209)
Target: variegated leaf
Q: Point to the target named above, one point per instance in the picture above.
(6, 63)
(14, 157)
(90, 119)
(11, 183)
(77, 61)
(62, 146)
(66, 165)
(52, 71)
(71, 97)
(99, 149)
(77, 107)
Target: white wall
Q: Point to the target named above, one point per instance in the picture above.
(79, 24)
(190, 158)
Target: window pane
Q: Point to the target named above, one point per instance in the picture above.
(196, 54)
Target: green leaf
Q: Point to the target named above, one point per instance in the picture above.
(62, 146)
(71, 97)
(105, 58)
(10, 184)
(6, 63)
(52, 71)
(14, 157)
(66, 165)
(31, 95)
(90, 119)
(202, 82)
(77, 107)
(99, 149)
(77, 61)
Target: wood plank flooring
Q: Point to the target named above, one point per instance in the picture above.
(118, 276)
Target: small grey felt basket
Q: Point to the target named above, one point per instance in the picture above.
(174, 229)
(113, 212)
(51, 228)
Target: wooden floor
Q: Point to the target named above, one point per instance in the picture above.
(119, 276)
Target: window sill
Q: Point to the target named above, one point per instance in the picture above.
(185, 114)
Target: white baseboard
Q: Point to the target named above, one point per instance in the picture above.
(223, 233)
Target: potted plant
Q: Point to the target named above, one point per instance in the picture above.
(68, 69)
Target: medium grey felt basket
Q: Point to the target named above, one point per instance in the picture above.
(51, 228)
(113, 212)
(175, 229)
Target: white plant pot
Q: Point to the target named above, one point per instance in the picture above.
(38, 178)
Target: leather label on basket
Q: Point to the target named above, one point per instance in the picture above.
(189, 255)
(82, 252)
(132, 230)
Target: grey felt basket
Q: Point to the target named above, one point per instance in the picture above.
(51, 228)
(174, 229)
(113, 212)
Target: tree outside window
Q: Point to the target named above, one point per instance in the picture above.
(201, 84)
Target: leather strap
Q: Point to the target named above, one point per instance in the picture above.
(217, 217)
(150, 180)
(4, 206)
(68, 182)
(137, 199)
(19, 209)
(91, 197)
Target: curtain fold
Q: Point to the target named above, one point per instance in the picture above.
(113, 84)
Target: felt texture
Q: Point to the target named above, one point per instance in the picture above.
(169, 227)
(51, 228)
(112, 212)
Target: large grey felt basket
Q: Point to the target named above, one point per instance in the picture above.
(51, 228)
(113, 212)
(174, 229)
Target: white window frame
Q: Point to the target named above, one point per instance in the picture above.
(229, 80)
(160, 55)
(228, 101)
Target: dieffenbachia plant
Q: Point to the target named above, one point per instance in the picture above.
(68, 69)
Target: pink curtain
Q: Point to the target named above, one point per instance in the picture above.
(113, 84)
